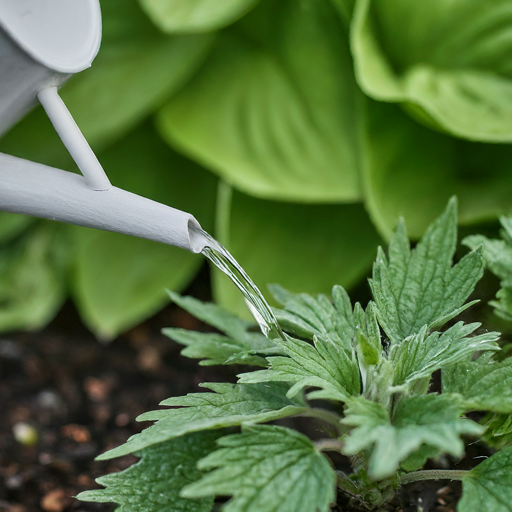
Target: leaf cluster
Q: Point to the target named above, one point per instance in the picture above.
(363, 373)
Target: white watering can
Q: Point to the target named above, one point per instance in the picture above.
(42, 43)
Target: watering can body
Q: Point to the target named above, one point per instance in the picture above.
(42, 43)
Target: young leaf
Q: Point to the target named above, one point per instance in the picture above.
(305, 316)
(178, 16)
(498, 258)
(488, 486)
(154, 483)
(267, 469)
(229, 405)
(239, 347)
(420, 287)
(498, 434)
(421, 355)
(431, 420)
(326, 364)
(484, 387)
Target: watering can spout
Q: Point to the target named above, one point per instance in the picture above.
(41, 191)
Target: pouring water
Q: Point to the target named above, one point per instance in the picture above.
(225, 262)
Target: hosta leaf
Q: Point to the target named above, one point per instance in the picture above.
(121, 280)
(267, 469)
(428, 420)
(488, 486)
(194, 15)
(421, 354)
(485, 387)
(411, 171)
(33, 277)
(275, 111)
(155, 482)
(306, 316)
(420, 287)
(229, 405)
(327, 364)
(453, 61)
(239, 347)
(305, 248)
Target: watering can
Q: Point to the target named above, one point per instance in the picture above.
(42, 44)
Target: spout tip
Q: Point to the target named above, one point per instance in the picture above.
(196, 237)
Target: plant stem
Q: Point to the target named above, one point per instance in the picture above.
(322, 414)
(328, 445)
(433, 474)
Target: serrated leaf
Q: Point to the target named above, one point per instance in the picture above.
(120, 280)
(422, 354)
(488, 486)
(306, 316)
(33, 272)
(155, 482)
(178, 16)
(450, 61)
(327, 364)
(267, 469)
(498, 433)
(420, 287)
(484, 387)
(431, 420)
(229, 405)
(239, 347)
(275, 111)
(305, 248)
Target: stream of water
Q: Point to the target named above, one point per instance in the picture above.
(225, 262)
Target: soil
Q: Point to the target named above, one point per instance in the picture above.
(82, 398)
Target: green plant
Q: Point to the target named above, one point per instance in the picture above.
(323, 120)
(371, 368)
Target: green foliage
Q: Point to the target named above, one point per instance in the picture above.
(498, 258)
(267, 468)
(270, 96)
(155, 482)
(375, 407)
(489, 485)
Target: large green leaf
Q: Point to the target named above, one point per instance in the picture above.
(411, 171)
(155, 482)
(451, 60)
(267, 469)
(275, 110)
(33, 277)
(229, 405)
(12, 225)
(428, 420)
(488, 486)
(137, 68)
(305, 248)
(121, 280)
(176, 16)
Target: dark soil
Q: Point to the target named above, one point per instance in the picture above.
(82, 397)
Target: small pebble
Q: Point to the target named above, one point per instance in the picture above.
(25, 434)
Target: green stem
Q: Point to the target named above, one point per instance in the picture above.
(328, 445)
(433, 474)
(324, 415)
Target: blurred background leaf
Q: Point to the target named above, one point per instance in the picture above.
(263, 95)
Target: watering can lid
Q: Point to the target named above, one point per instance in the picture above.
(63, 35)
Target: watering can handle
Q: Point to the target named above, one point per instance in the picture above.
(73, 139)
